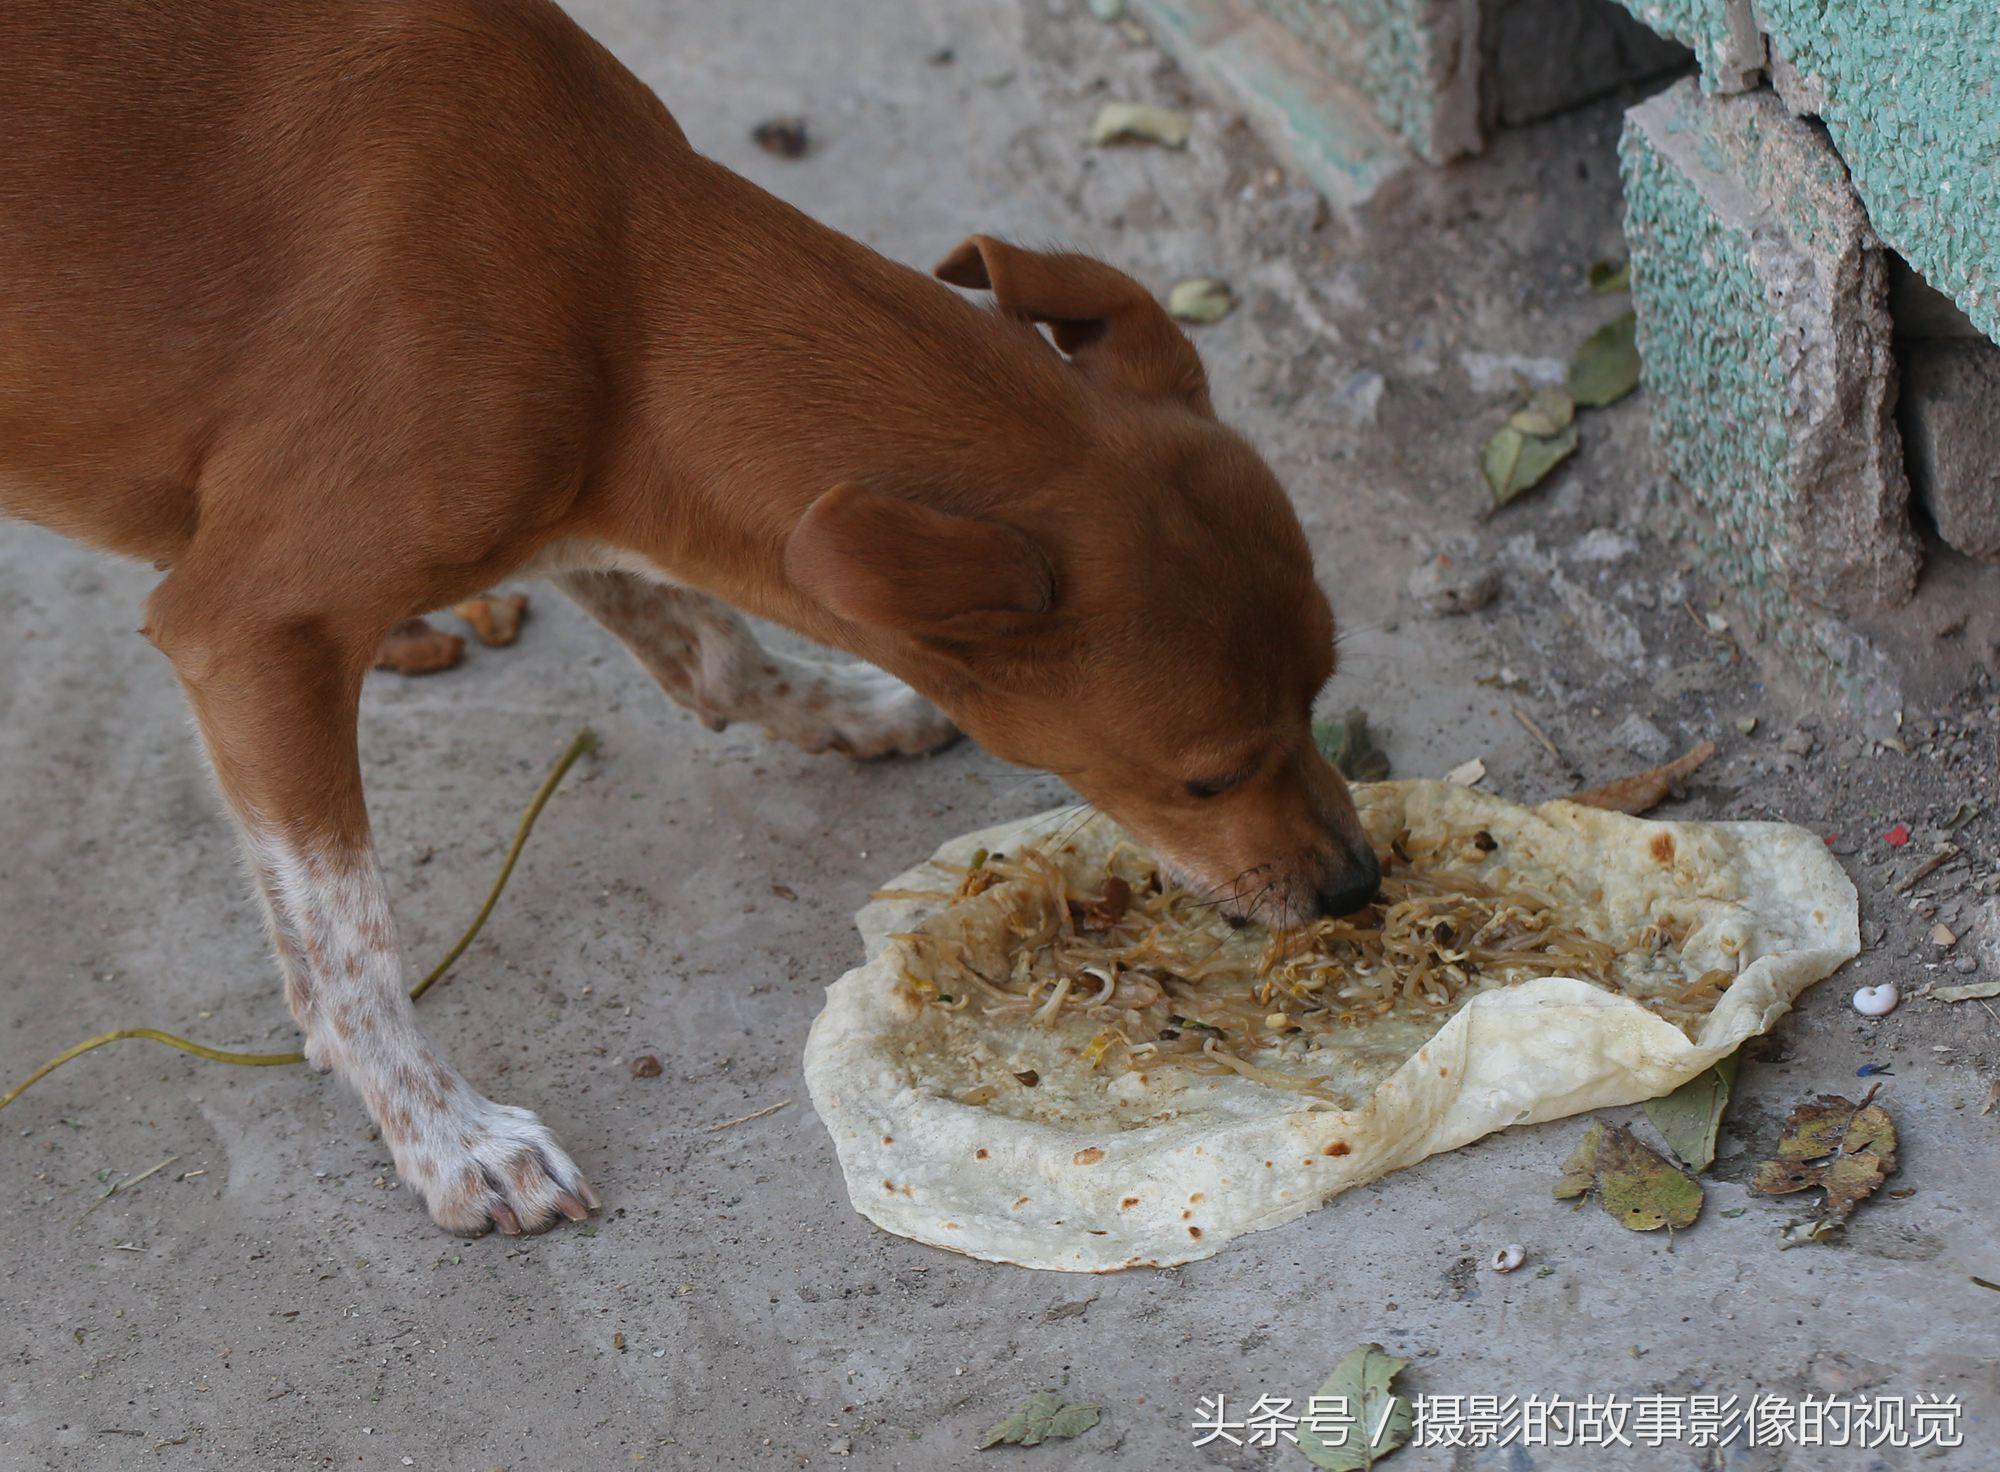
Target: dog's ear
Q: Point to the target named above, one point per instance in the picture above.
(1108, 323)
(888, 563)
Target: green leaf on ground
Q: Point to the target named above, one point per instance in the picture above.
(1606, 277)
(1547, 413)
(1045, 1416)
(1513, 461)
(1351, 747)
(1606, 367)
(1199, 299)
(1841, 1148)
(1691, 1115)
(1376, 1419)
(1128, 122)
(1638, 1186)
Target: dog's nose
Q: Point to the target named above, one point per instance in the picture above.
(1363, 882)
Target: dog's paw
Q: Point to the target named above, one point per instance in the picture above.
(487, 1165)
(861, 712)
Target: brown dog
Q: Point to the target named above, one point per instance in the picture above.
(339, 313)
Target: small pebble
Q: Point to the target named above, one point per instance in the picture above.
(646, 1065)
(1877, 1001)
(1445, 585)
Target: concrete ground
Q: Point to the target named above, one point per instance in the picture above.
(271, 1299)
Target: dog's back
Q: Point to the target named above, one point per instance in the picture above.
(219, 212)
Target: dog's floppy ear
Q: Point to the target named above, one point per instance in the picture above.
(1108, 323)
(890, 563)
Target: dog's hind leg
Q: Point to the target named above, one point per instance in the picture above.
(704, 655)
(275, 689)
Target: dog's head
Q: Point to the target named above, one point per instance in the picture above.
(1146, 625)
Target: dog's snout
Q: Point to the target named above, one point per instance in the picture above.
(1360, 884)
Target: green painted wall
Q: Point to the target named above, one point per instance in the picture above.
(1910, 93)
(1715, 383)
(1441, 74)
(1764, 331)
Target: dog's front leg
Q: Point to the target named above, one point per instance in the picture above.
(706, 658)
(277, 707)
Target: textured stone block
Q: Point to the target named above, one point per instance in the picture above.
(1416, 61)
(1910, 94)
(1326, 80)
(1950, 414)
(1320, 124)
(1764, 329)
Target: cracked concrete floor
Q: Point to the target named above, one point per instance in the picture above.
(271, 1299)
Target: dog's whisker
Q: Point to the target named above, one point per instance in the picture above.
(1032, 777)
(1352, 631)
(1212, 900)
(1090, 815)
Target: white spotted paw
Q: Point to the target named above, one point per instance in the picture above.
(481, 1165)
(860, 712)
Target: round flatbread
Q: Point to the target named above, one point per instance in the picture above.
(1006, 1137)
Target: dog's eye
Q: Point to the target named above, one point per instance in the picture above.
(1216, 786)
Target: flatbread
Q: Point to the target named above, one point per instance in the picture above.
(1094, 1170)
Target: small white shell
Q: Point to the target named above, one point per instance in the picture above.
(1877, 1001)
(1508, 1258)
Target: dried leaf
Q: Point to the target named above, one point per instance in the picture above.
(1199, 299)
(1124, 122)
(495, 617)
(1836, 1146)
(1606, 277)
(1690, 1117)
(1352, 747)
(415, 647)
(1580, 1170)
(1799, 1234)
(1548, 412)
(1377, 1421)
(1044, 1417)
(1606, 367)
(1514, 461)
(1639, 1187)
(1643, 791)
(1971, 992)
